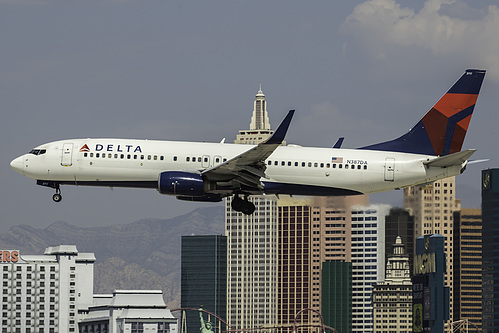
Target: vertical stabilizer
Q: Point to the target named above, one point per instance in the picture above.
(442, 129)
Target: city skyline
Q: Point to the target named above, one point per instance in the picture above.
(111, 73)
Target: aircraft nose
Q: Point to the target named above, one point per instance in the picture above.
(17, 164)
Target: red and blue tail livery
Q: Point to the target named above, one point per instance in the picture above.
(442, 129)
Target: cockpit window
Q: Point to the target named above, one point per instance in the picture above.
(38, 151)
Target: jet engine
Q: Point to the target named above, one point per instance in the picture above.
(181, 183)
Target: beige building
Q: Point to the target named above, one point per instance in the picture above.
(468, 265)
(392, 299)
(252, 264)
(432, 206)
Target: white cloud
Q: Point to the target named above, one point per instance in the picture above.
(381, 25)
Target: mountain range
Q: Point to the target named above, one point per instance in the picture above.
(141, 255)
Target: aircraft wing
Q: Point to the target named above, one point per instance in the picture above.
(452, 159)
(247, 168)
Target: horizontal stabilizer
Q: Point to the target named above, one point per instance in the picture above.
(452, 159)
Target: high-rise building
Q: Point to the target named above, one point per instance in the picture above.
(204, 278)
(337, 295)
(45, 293)
(490, 248)
(468, 265)
(368, 261)
(399, 223)
(295, 266)
(312, 231)
(252, 265)
(433, 206)
(392, 298)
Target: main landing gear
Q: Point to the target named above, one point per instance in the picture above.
(242, 205)
(57, 197)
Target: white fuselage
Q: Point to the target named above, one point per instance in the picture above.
(290, 169)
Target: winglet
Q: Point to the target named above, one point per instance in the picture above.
(280, 132)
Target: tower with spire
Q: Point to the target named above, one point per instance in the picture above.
(392, 299)
(260, 125)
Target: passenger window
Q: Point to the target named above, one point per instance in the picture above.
(174, 158)
(283, 163)
(269, 162)
(322, 165)
(365, 167)
(199, 159)
(334, 165)
(309, 164)
(115, 155)
(217, 160)
(340, 166)
(161, 158)
(316, 165)
(289, 163)
(303, 164)
(85, 154)
(149, 157)
(187, 159)
(97, 155)
(155, 157)
(327, 165)
(128, 156)
(142, 157)
(296, 163)
(359, 166)
(109, 155)
(346, 166)
(225, 160)
(122, 156)
(103, 155)
(276, 163)
(134, 157)
(91, 154)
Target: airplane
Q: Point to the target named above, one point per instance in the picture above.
(202, 171)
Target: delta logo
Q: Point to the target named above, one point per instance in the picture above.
(113, 148)
(84, 148)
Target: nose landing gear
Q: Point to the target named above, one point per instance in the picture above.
(242, 205)
(57, 197)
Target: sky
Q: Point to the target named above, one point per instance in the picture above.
(190, 70)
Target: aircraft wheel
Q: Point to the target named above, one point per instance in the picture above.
(248, 208)
(57, 197)
(237, 203)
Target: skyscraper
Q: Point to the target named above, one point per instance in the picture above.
(468, 265)
(252, 265)
(204, 277)
(399, 223)
(337, 295)
(392, 298)
(432, 206)
(490, 247)
(368, 261)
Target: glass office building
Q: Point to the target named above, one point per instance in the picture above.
(204, 279)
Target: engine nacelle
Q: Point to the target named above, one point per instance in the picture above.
(181, 183)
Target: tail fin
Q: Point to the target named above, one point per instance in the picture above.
(442, 129)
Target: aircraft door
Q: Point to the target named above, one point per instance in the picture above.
(67, 154)
(389, 169)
